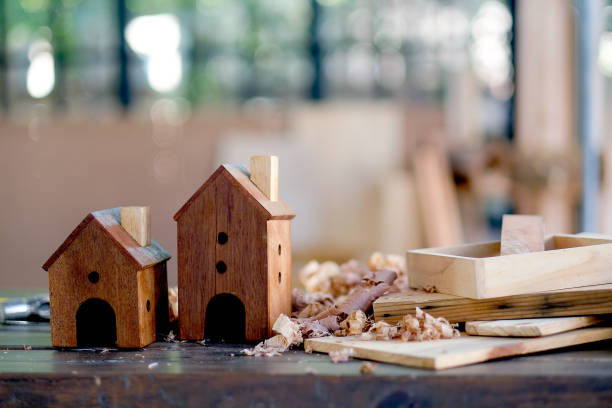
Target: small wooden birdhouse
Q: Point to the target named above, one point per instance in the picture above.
(107, 282)
(234, 255)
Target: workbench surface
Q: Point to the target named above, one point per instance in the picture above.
(191, 374)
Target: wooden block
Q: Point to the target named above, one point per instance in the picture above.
(521, 234)
(442, 354)
(137, 222)
(587, 300)
(477, 271)
(264, 174)
(529, 327)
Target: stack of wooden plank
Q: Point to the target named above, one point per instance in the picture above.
(521, 295)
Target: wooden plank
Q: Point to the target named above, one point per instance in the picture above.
(587, 300)
(264, 174)
(522, 233)
(474, 270)
(437, 197)
(529, 327)
(442, 354)
(137, 222)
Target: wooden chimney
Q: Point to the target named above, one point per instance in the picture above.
(137, 222)
(264, 174)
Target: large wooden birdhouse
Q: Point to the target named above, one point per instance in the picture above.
(234, 255)
(107, 282)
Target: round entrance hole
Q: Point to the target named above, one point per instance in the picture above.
(93, 277)
(222, 238)
(221, 267)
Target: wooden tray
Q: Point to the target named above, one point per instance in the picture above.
(477, 271)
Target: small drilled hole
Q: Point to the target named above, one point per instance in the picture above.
(279, 249)
(221, 267)
(279, 277)
(222, 238)
(93, 277)
(148, 305)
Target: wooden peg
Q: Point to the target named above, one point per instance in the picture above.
(264, 174)
(137, 222)
(521, 234)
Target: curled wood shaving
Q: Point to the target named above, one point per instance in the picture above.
(420, 327)
(341, 356)
(309, 304)
(367, 367)
(316, 277)
(355, 324)
(383, 331)
(288, 333)
(423, 326)
(396, 263)
(289, 329)
(171, 338)
(273, 346)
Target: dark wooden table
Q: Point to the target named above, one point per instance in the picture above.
(190, 374)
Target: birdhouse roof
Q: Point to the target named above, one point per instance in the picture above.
(109, 221)
(240, 178)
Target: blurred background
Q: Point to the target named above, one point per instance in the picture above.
(398, 123)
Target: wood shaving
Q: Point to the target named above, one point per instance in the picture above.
(288, 329)
(367, 367)
(171, 338)
(288, 334)
(430, 289)
(152, 365)
(420, 327)
(307, 348)
(173, 303)
(396, 263)
(350, 276)
(27, 348)
(306, 305)
(355, 324)
(312, 329)
(383, 331)
(423, 326)
(341, 356)
(317, 277)
(273, 346)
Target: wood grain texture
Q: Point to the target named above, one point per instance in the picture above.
(443, 354)
(574, 377)
(264, 174)
(137, 222)
(279, 270)
(521, 234)
(474, 271)
(580, 301)
(529, 327)
(226, 206)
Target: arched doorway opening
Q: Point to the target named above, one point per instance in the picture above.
(96, 324)
(225, 319)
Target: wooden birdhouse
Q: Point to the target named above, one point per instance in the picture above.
(234, 254)
(107, 282)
